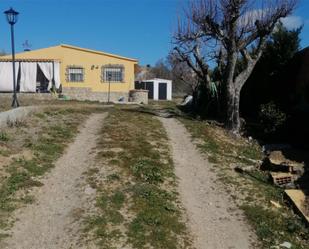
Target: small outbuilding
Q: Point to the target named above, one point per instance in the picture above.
(158, 89)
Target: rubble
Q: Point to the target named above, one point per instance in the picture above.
(287, 171)
(283, 171)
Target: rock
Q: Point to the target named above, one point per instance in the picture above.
(277, 157)
(277, 162)
(89, 190)
(286, 245)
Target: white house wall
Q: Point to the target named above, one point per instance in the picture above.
(155, 90)
(169, 91)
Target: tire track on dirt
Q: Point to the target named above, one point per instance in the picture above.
(214, 220)
(53, 221)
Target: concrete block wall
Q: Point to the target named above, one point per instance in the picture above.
(28, 96)
(78, 93)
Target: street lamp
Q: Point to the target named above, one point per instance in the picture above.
(109, 77)
(11, 16)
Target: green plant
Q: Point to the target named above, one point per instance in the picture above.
(4, 136)
(271, 117)
(148, 170)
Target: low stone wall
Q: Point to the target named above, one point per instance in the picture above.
(78, 93)
(28, 96)
(139, 96)
(14, 116)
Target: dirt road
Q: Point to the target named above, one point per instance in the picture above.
(52, 222)
(214, 220)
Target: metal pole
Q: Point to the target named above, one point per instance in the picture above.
(109, 89)
(15, 101)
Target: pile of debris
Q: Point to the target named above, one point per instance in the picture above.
(284, 172)
(290, 174)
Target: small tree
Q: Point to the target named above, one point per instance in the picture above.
(161, 70)
(265, 84)
(183, 76)
(235, 30)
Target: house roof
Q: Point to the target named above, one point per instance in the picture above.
(28, 60)
(97, 52)
(8, 57)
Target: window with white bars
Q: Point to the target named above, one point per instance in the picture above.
(113, 73)
(75, 74)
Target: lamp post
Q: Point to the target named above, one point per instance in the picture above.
(11, 16)
(109, 77)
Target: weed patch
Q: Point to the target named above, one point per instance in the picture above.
(4, 136)
(137, 198)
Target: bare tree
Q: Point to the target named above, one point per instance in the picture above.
(235, 30)
(161, 69)
(184, 78)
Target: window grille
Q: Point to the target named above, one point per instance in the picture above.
(75, 74)
(112, 73)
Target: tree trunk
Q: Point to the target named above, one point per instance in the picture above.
(233, 117)
(232, 96)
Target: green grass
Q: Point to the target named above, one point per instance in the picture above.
(4, 136)
(274, 228)
(141, 184)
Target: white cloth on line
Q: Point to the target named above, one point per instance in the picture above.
(6, 76)
(57, 74)
(47, 69)
(28, 74)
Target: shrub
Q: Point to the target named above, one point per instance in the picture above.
(4, 137)
(271, 117)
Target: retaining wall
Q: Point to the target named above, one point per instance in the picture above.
(28, 96)
(78, 93)
(14, 116)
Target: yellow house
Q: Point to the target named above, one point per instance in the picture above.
(84, 74)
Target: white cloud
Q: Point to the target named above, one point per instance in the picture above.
(292, 22)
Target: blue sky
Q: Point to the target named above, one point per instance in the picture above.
(140, 29)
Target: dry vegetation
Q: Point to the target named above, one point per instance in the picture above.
(137, 204)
